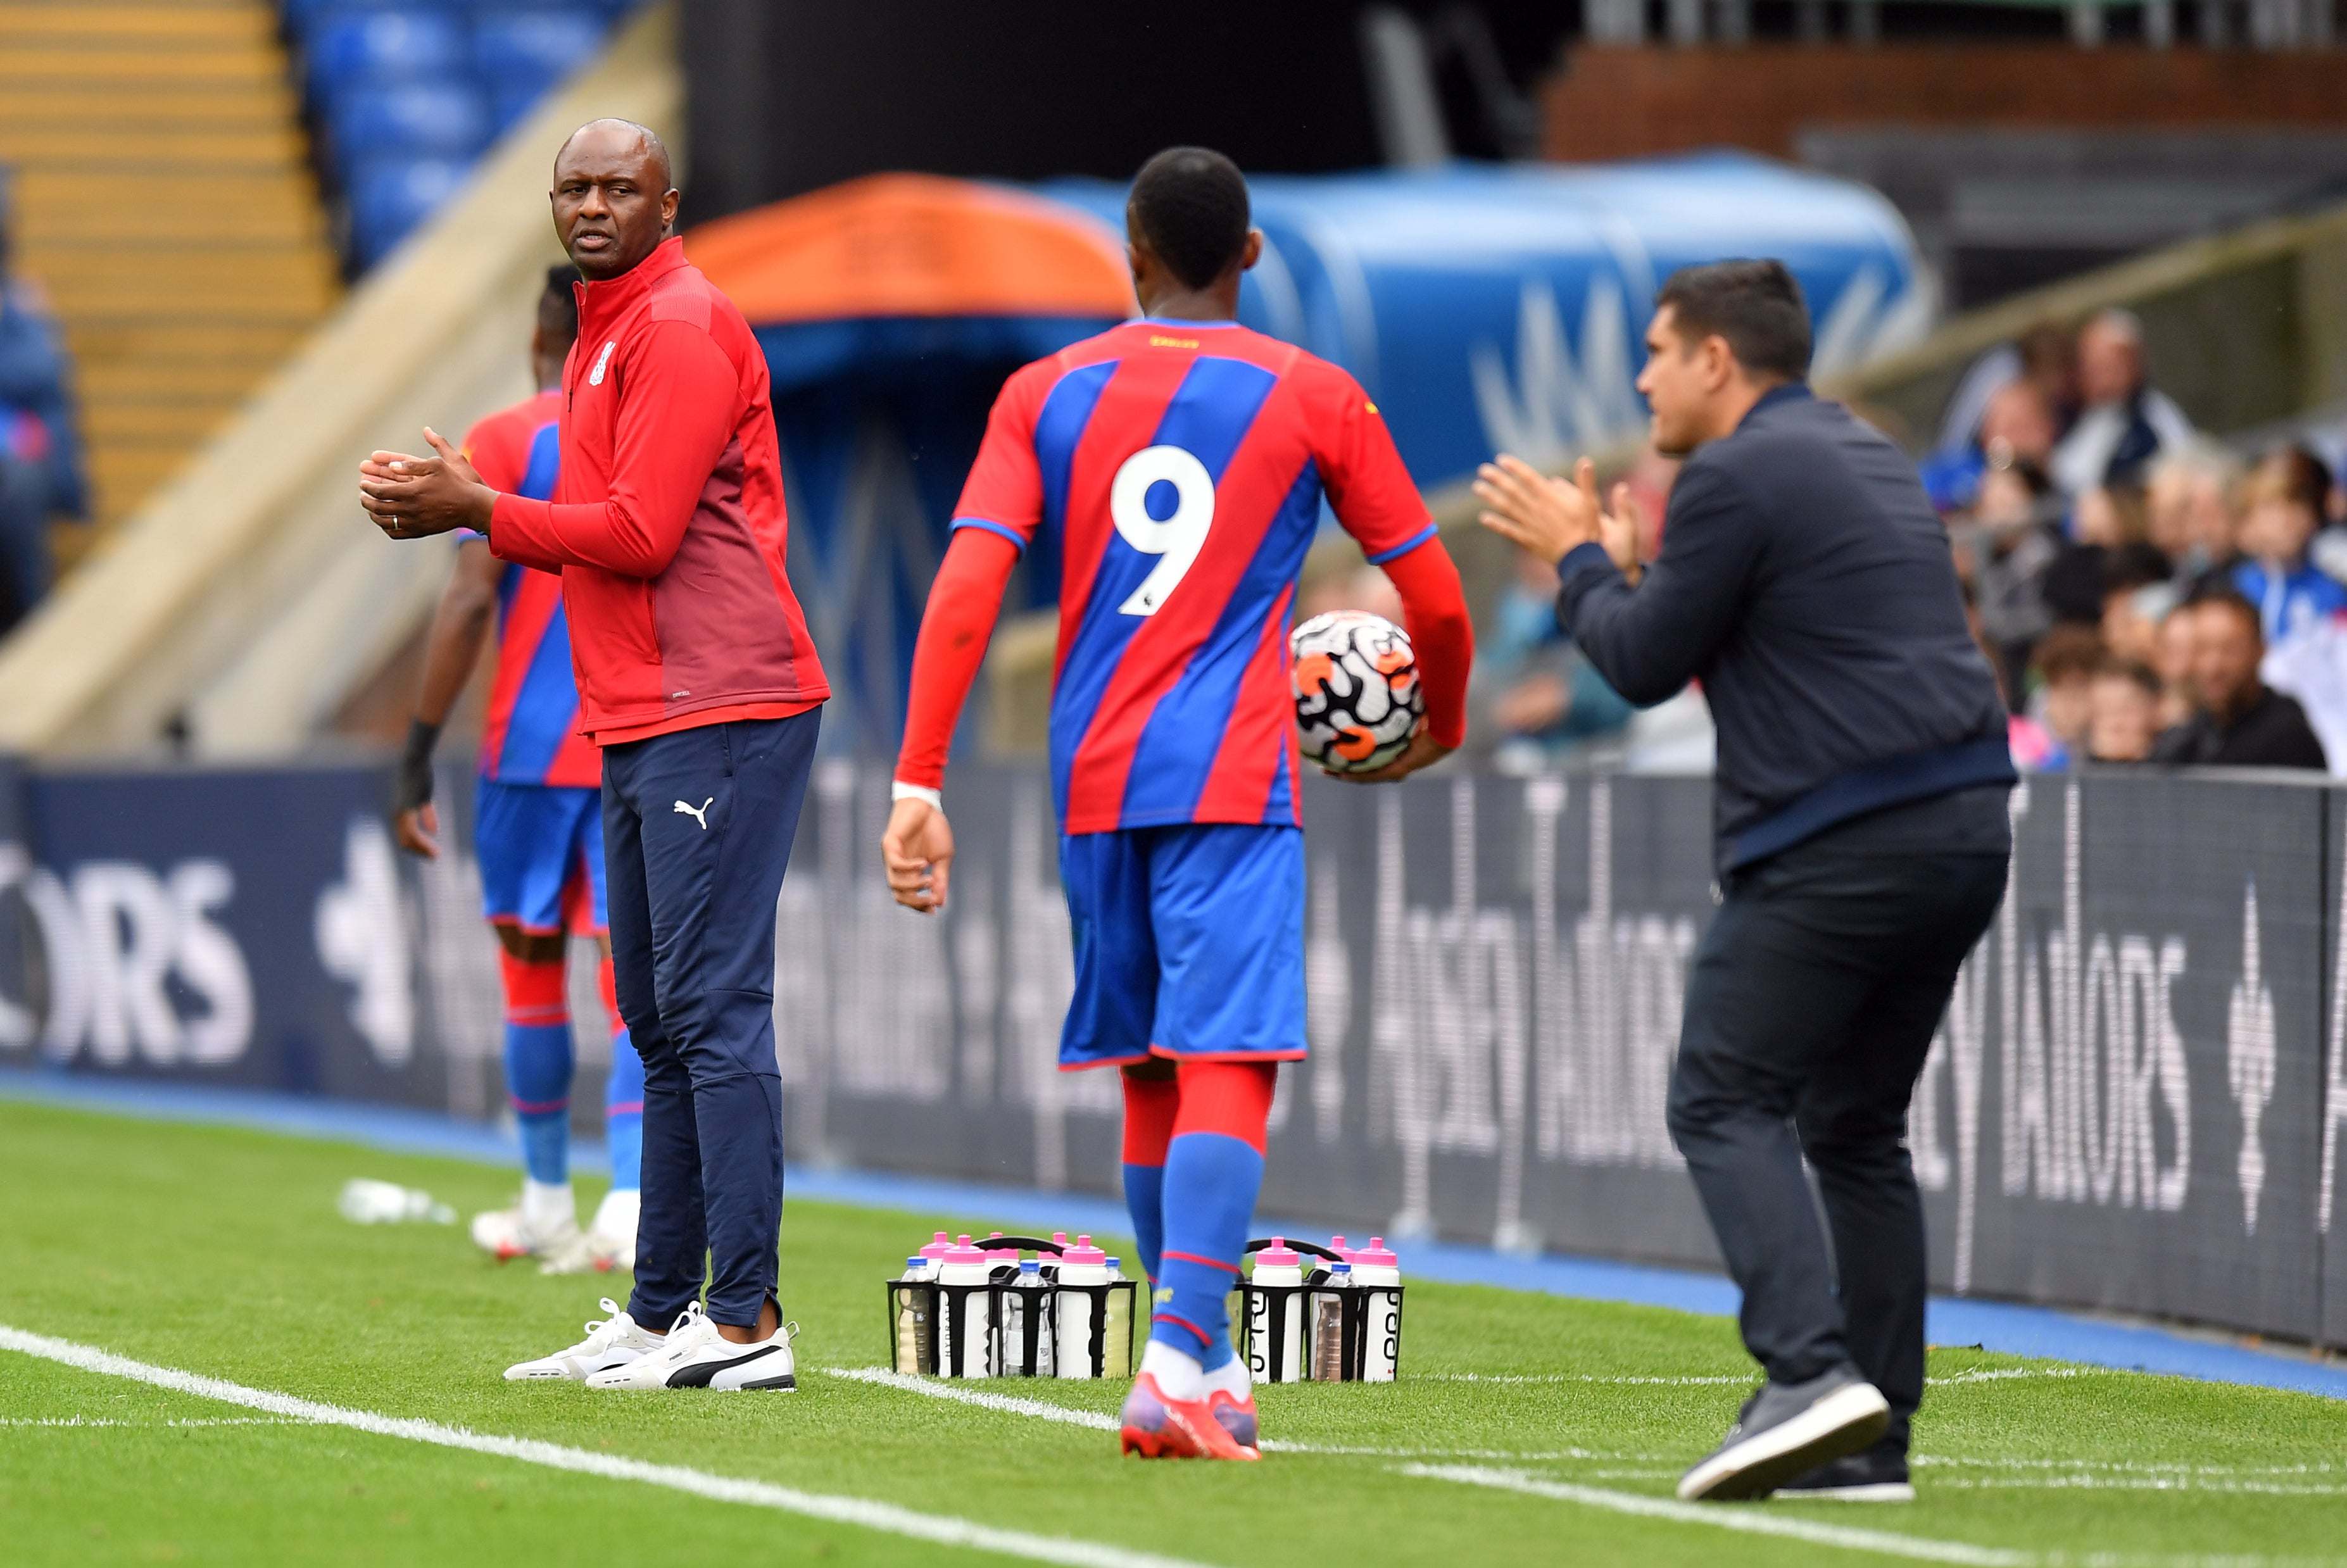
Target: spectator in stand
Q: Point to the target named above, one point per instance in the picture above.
(2189, 503)
(2137, 597)
(2012, 543)
(2126, 422)
(2283, 503)
(2019, 422)
(2240, 723)
(1364, 587)
(2063, 702)
(2123, 712)
(2105, 519)
(40, 449)
(2173, 661)
(1533, 692)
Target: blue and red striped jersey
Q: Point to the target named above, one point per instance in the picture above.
(531, 736)
(1183, 465)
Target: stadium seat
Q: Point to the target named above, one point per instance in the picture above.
(302, 16)
(511, 100)
(382, 45)
(533, 47)
(409, 119)
(389, 196)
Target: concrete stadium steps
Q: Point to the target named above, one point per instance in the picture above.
(164, 200)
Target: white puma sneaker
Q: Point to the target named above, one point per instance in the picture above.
(697, 1356)
(615, 1341)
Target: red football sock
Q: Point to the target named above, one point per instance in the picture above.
(1232, 1098)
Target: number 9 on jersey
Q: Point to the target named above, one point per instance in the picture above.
(1162, 479)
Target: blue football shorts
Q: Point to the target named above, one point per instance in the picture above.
(1189, 944)
(541, 852)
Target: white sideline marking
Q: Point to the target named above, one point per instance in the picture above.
(111, 1421)
(942, 1530)
(1746, 1379)
(1010, 1404)
(1755, 1522)
(1760, 1521)
(1042, 1409)
(2137, 1466)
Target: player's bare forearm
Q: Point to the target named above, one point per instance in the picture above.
(411, 497)
(917, 850)
(452, 648)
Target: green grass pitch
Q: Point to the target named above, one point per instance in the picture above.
(1551, 1422)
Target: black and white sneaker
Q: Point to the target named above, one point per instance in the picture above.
(697, 1356)
(1872, 1476)
(1787, 1429)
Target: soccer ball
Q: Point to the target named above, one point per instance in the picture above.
(1358, 701)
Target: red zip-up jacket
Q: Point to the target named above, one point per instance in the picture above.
(667, 523)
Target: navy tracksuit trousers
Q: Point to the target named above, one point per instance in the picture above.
(1814, 998)
(697, 830)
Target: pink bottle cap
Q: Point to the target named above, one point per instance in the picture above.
(1336, 1244)
(965, 1252)
(938, 1248)
(1278, 1254)
(1376, 1254)
(1083, 1252)
(992, 1251)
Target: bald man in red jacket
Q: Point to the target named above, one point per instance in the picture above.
(698, 680)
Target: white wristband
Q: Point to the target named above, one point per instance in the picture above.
(899, 790)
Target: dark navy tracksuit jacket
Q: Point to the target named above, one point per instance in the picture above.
(1806, 581)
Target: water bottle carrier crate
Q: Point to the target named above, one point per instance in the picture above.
(1359, 1340)
(1021, 1344)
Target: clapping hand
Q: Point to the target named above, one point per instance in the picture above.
(411, 497)
(1552, 517)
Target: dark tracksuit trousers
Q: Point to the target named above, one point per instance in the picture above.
(1814, 998)
(697, 830)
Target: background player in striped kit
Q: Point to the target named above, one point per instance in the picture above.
(537, 831)
(1183, 460)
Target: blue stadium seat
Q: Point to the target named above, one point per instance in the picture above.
(409, 119)
(508, 101)
(302, 16)
(516, 48)
(382, 45)
(389, 196)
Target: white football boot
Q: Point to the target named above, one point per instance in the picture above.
(542, 1225)
(608, 1242)
(697, 1356)
(615, 1341)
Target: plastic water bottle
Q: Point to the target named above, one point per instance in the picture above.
(1116, 1333)
(966, 1318)
(1376, 1269)
(1025, 1321)
(366, 1202)
(1329, 1325)
(1276, 1320)
(1080, 1265)
(914, 1327)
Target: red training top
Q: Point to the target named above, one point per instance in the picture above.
(667, 521)
(1183, 465)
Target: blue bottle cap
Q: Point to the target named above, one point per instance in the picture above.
(1031, 1266)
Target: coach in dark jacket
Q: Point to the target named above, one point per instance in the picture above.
(1862, 844)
